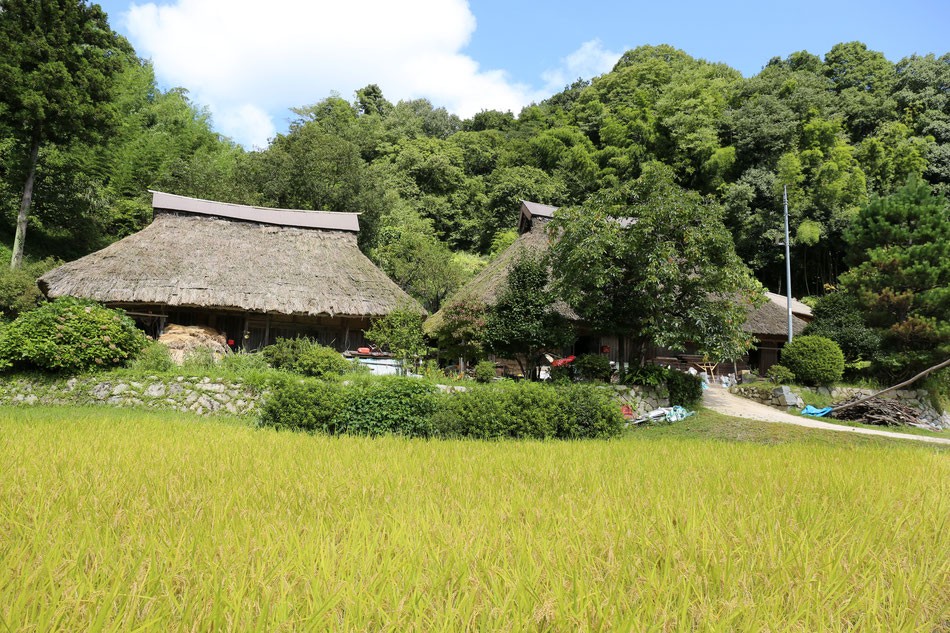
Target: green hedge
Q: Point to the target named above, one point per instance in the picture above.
(411, 407)
(304, 405)
(388, 404)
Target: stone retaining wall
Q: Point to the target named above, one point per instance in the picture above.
(641, 399)
(783, 397)
(203, 396)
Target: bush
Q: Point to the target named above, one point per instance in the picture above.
(388, 404)
(529, 410)
(410, 407)
(303, 405)
(199, 360)
(305, 356)
(780, 375)
(319, 361)
(18, 290)
(648, 376)
(71, 335)
(241, 362)
(686, 390)
(589, 413)
(485, 371)
(284, 352)
(838, 316)
(815, 360)
(154, 358)
(594, 367)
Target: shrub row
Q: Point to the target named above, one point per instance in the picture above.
(412, 408)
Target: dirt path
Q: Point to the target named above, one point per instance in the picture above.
(721, 401)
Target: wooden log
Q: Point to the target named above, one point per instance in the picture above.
(936, 367)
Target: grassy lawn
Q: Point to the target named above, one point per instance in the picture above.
(129, 520)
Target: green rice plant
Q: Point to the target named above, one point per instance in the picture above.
(116, 520)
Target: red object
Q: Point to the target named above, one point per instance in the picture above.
(230, 342)
(605, 349)
(561, 362)
(627, 411)
(362, 350)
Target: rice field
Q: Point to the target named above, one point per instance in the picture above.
(115, 520)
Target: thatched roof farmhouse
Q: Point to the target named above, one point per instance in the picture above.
(253, 273)
(485, 287)
(768, 323)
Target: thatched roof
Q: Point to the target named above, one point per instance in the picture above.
(799, 309)
(771, 319)
(490, 281)
(208, 261)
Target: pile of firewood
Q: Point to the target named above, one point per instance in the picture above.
(880, 411)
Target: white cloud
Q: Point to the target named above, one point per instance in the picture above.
(247, 59)
(588, 61)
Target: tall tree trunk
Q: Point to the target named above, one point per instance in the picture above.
(19, 240)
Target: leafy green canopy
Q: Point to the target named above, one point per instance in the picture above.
(653, 261)
(57, 63)
(400, 333)
(523, 321)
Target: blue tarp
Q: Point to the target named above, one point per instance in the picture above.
(812, 411)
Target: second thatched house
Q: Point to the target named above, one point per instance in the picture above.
(767, 323)
(253, 273)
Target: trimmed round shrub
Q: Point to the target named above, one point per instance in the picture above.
(815, 360)
(71, 335)
(593, 367)
(780, 374)
(485, 371)
(303, 405)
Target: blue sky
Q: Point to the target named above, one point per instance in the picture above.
(250, 61)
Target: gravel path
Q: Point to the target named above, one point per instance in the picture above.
(721, 401)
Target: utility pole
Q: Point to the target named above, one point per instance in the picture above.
(788, 265)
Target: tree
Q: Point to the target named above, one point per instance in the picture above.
(462, 331)
(57, 63)
(900, 247)
(653, 262)
(400, 332)
(523, 321)
(838, 316)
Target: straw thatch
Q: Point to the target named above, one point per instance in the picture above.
(485, 287)
(771, 319)
(201, 261)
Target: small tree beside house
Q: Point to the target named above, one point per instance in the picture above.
(523, 322)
